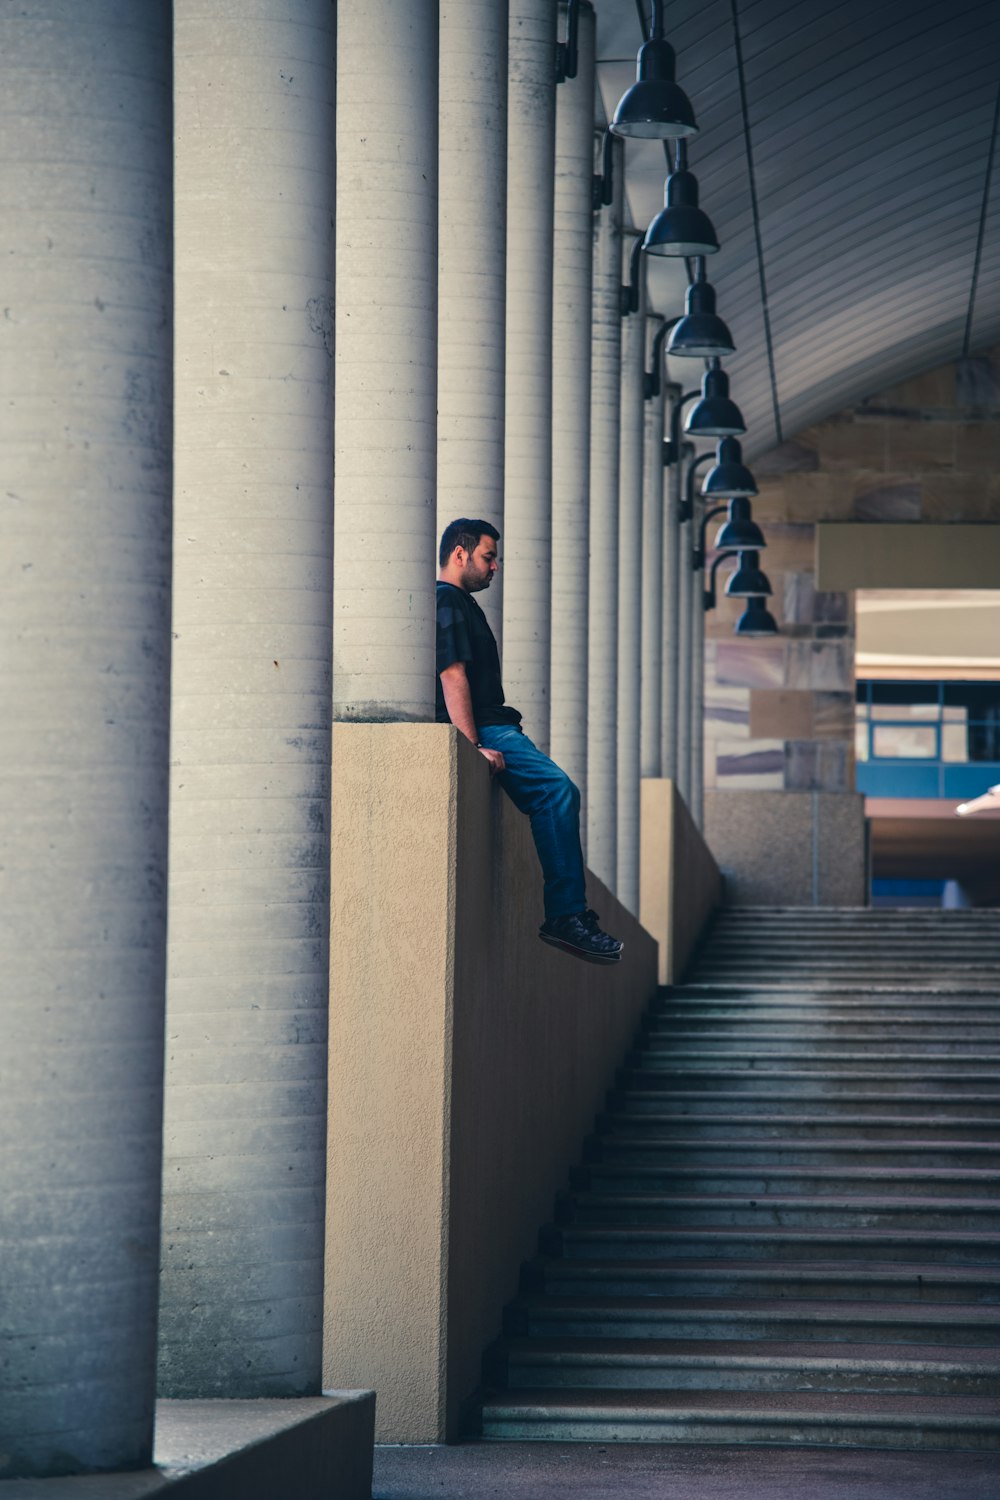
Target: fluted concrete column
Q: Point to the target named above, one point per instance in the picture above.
(385, 421)
(84, 708)
(572, 251)
(602, 635)
(685, 644)
(670, 659)
(654, 582)
(527, 545)
(241, 1303)
(698, 698)
(472, 262)
(630, 537)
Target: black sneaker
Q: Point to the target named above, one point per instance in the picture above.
(580, 935)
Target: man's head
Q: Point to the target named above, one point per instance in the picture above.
(468, 554)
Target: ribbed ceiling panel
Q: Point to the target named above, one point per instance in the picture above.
(870, 129)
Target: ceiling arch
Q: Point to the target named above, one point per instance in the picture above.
(847, 157)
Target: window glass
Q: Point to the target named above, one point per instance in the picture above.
(954, 742)
(905, 741)
(906, 692)
(861, 741)
(918, 712)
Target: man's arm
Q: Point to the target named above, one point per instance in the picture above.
(458, 702)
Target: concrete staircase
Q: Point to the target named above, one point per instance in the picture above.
(786, 1228)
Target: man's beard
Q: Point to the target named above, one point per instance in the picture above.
(475, 583)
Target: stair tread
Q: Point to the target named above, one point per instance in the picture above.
(794, 1200)
(909, 1409)
(752, 1231)
(863, 1176)
(739, 1269)
(947, 1313)
(748, 1355)
(793, 1143)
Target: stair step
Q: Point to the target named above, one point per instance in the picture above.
(755, 1125)
(862, 1211)
(786, 1226)
(613, 1177)
(730, 1318)
(823, 1008)
(819, 1036)
(725, 1045)
(732, 1365)
(690, 1278)
(812, 1059)
(869, 1080)
(755, 1241)
(910, 1423)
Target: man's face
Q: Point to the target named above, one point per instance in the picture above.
(480, 565)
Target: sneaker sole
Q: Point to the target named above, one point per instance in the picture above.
(590, 958)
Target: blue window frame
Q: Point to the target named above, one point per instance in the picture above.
(927, 739)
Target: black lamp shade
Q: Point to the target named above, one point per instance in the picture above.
(730, 476)
(715, 415)
(748, 582)
(740, 532)
(756, 620)
(681, 227)
(655, 107)
(700, 334)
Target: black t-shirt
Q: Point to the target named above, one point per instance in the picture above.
(463, 634)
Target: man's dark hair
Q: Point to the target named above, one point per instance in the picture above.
(464, 533)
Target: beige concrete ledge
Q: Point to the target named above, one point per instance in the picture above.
(467, 1062)
(680, 884)
(789, 848)
(313, 1448)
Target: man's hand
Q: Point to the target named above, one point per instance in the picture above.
(495, 759)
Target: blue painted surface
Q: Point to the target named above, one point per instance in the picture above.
(926, 778)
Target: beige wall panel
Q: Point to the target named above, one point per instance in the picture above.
(680, 885)
(467, 1062)
(903, 556)
(780, 715)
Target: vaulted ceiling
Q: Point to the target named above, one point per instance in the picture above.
(847, 157)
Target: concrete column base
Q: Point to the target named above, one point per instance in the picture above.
(789, 848)
(318, 1448)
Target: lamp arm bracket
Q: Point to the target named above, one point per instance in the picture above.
(568, 52)
(603, 190)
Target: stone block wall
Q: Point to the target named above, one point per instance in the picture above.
(780, 712)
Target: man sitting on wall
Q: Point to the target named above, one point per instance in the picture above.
(470, 695)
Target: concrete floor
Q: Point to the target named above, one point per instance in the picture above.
(578, 1471)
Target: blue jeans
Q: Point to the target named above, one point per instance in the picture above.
(538, 787)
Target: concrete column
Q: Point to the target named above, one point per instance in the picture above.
(697, 699)
(472, 261)
(241, 1299)
(527, 544)
(670, 662)
(654, 582)
(573, 265)
(84, 709)
(685, 614)
(385, 422)
(602, 636)
(631, 472)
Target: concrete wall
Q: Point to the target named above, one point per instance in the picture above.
(680, 885)
(467, 1061)
(789, 849)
